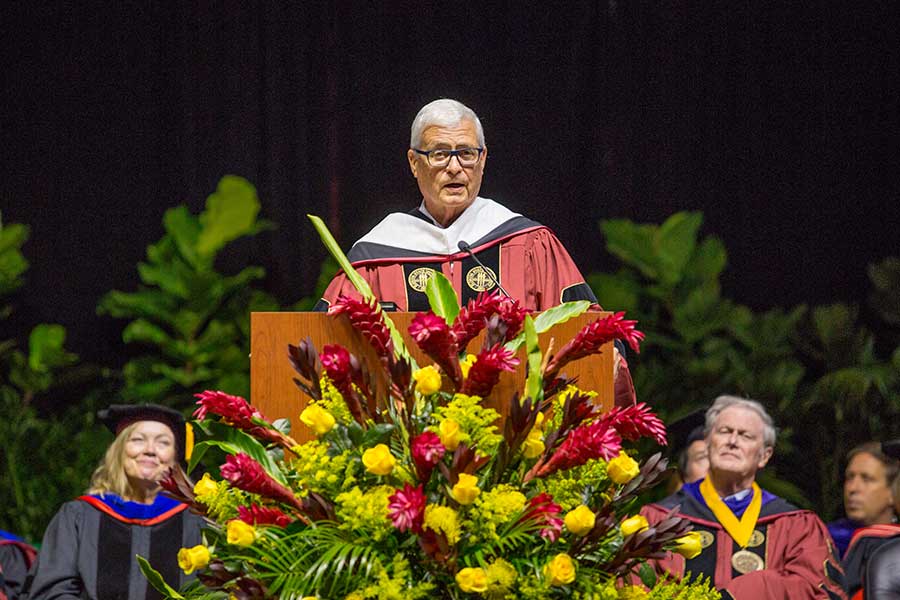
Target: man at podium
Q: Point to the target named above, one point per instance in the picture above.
(478, 244)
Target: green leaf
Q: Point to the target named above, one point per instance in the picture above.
(143, 331)
(619, 291)
(378, 434)
(633, 243)
(230, 213)
(442, 297)
(550, 318)
(675, 243)
(45, 348)
(234, 441)
(156, 580)
(647, 575)
(185, 231)
(534, 383)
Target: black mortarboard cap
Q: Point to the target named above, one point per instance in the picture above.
(119, 416)
(686, 430)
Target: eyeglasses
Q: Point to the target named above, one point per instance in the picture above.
(467, 157)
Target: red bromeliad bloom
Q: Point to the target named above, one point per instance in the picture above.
(485, 372)
(633, 422)
(427, 450)
(246, 474)
(588, 441)
(336, 363)
(471, 319)
(592, 337)
(263, 515)
(368, 319)
(433, 336)
(544, 511)
(406, 508)
(238, 413)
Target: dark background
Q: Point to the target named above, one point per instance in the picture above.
(779, 122)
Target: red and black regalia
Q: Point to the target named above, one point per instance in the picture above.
(781, 552)
(90, 545)
(865, 542)
(399, 256)
(16, 557)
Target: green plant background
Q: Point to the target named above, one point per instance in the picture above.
(830, 374)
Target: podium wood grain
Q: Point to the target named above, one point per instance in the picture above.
(276, 395)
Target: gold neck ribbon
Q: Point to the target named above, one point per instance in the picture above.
(739, 530)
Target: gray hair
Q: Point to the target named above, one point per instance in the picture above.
(443, 113)
(723, 402)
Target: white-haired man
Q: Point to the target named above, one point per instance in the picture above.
(453, 224)
(753, 543)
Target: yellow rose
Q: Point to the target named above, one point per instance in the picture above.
(580, 520)
(533, 446)
(622, 468)
(317, 418)
(206, 486)
(449, 433)
(689, 545)
(472, 579)
(379, 460)
(466, 489)
(191, 559)
(539, 421)
(560, 570)
(634, 524)
(466, 364)
(428, 380)
(240, 533)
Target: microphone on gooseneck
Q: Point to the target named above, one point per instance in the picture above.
(464, 246)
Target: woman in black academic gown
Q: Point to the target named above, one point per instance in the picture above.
(90, 545)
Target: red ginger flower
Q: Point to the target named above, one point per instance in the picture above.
(263, 515)
(586, 442)
(368, 319)
(543, 510)
(638, 421)
(433, 336)
(485, 372)
(406, 508)
(246, 474)
(473, 317)
(237, 412)
(592, 337)
(427, 450)
(336, 362)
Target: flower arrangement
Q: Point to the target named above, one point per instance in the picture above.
(423, 492)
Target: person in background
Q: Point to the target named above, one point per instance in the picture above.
(868, 499)
(89, 547)
(867, 542)
(16, 557)
(688, 449)
(753, 544)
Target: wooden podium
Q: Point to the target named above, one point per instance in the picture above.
(271, 375)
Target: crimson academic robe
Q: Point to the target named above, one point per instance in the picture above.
(401, 253)
(862, 546)
(795, 549)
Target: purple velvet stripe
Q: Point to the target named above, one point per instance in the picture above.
(737, 506)
(136, 510)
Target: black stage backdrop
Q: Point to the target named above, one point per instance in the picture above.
(778, 120)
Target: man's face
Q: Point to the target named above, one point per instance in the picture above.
(867, 492)
(736, 445)
(697, 464)
(451, 189)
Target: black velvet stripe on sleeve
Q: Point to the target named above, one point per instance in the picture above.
(165, 542)
(113, 559)
(579, 291)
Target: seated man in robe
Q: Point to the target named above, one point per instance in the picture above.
(754, 544)
(478, 244)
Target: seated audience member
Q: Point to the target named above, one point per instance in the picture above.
(16, 557)
(867, 493)
(754, 544)
(868, 541)
(688, 448)
(90, 545)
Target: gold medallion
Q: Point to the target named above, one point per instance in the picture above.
(745, 561)
(757, 538)
(418, 279)
(480, 279)
(706, 539)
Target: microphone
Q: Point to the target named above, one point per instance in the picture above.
(464, 246)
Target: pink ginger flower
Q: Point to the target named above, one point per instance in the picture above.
(433, 336)
(485, 372)
(586, 442)
(589, 340)
(472, 317)
(263, 515)
(246, 474)
(237, 412)
(337, 365)
(637, 421)
(368, 319)
(406, 508)
(544, 511)
(427, 450)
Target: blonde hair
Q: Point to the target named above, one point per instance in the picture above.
(109, 476)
